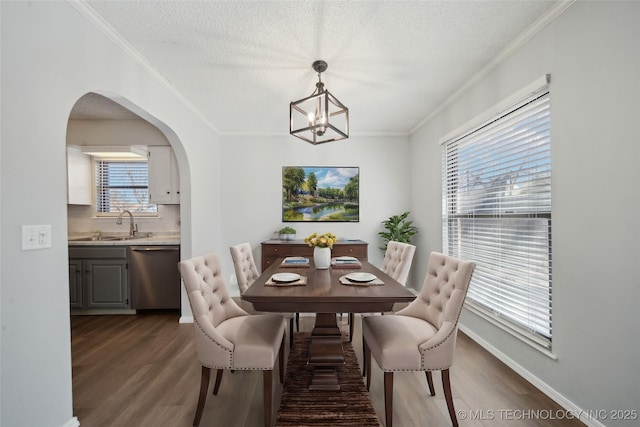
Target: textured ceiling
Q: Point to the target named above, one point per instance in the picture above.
(392, 63)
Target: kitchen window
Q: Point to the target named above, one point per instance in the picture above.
(123, 184)
(496, 187)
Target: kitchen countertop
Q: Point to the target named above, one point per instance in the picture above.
(136, 241)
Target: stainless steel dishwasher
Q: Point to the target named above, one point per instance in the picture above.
(154, 278)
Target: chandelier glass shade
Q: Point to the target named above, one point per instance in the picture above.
(320, 117)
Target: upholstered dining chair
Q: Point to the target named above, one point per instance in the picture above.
(246, 273)
(227, 337)
(422, 336)
(396, 263)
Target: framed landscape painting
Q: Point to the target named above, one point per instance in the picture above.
(320, 193)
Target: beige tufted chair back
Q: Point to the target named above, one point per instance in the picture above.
(443, 291)
(397, 260)
(211, 305)
(244, 265)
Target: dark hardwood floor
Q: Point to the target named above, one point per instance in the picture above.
(142, 370)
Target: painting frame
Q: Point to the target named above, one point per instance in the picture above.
(320, 194)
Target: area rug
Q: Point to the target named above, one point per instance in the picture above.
(350, 406)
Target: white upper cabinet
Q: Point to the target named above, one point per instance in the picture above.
(78, 177)
(164, 179)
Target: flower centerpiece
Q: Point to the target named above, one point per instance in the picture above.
(321, 244)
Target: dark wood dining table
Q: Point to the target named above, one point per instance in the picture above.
(325, 296)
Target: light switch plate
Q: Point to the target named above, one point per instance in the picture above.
(36, 237)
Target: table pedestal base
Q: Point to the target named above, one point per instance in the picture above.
(324, 379)
(325, 352)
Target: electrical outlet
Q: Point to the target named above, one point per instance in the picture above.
(36, 237)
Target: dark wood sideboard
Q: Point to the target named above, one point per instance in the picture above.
(274, 249)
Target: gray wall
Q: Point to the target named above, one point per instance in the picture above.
(592, 54)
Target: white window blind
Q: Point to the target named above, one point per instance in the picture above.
(497, 212)
(123, 185)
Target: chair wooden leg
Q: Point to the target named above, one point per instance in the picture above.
(351, 322)
(446, 384)
(432, 391)
(367, 363)
(216, 386)
(388, 398)
(364, 358)
(281, 362)
(204, 386)
(267, 387)
(291, 332)
(298, 322)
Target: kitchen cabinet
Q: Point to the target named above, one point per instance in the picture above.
(75, 283)
(98, 277)
(78, 177)
(274, 249)
(164, 177)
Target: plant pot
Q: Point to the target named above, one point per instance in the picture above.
(287, 236)
(322, 258)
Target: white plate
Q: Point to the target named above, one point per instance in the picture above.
(361, 277)
(285, 277)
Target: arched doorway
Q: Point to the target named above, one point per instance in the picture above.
(108, 121)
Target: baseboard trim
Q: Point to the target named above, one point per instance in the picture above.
(73, 422)
(583, 415)
(186, 319)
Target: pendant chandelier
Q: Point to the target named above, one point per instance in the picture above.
(319, 118)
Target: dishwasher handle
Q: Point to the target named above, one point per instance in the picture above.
(158, 249)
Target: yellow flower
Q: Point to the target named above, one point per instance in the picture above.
(326, 240)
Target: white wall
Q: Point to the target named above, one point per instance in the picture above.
(252, 189)
(592, 53)
(51, 56)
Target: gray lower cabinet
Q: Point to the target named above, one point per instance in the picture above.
(106, 283)
(98, 277)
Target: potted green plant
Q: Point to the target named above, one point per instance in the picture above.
(398, 229)
(287, 233)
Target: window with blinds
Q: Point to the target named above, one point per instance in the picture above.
(123, 185)
(497, 212)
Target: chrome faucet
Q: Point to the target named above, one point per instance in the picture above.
(133, 228)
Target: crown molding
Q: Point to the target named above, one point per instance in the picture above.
(103, 26)
(538, 25)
